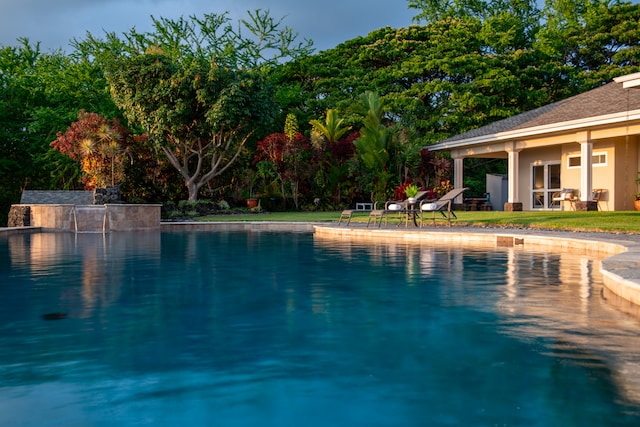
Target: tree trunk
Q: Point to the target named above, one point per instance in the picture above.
(294, 193)
(193, 189)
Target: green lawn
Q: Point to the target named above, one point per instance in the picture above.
(624, 221)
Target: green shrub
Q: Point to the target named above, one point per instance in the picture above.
(174, 214)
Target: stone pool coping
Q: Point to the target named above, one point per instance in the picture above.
(620, 268)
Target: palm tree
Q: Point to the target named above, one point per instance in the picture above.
(332, 128)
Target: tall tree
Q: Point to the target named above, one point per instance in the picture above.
(431, 11)
(596, 40)
(439, 79)
(373, 145)
(198, 87)
(436, 10)
(198, 114)
(260, 41)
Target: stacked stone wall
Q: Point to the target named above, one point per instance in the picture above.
(103, 196)
(19, 216)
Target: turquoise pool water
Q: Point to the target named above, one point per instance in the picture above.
(262, 329)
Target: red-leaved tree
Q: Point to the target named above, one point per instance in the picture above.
(289, 157)
(99, 145)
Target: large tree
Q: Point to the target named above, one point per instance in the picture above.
(439, 79)
(596, 39)
(469, 67)
(198, 114)
(198, 87)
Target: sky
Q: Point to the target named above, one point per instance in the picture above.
(328, 23)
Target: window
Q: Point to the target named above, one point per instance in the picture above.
(597, 159)
(574, 161)
(600, 159)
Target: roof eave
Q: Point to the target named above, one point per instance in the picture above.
(590, 122)
(630, 80)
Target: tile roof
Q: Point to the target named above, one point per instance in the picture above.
(56, 197)
(608, 99)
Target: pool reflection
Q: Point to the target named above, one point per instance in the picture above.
(249, 329)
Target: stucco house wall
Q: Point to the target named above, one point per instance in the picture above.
(603, 174)
(600, 129)
(616, 177)
(625, 171)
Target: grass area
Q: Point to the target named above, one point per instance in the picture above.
(275, 216)
(616, 222)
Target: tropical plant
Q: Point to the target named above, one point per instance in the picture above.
(372, 147)
(411, 190)
(406, 152)
(98, 144)
(291, 128)
(332, 128)
(289, 158)
(330, 138)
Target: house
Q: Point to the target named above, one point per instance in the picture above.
(586, 142)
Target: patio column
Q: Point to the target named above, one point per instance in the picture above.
(458, 176)
(514, 203)
(586, 171)
(586, 174)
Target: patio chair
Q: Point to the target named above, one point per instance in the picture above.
(565, 195)
(346, 216)
(597, 195)
(443, 205)
(400, 207)
(376, 215)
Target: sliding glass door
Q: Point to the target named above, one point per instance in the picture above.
(545, 180)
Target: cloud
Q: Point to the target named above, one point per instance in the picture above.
(327, 23)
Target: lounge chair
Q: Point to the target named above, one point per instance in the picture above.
(400, 207)
(443, 205)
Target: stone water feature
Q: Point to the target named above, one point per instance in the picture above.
(99, 211)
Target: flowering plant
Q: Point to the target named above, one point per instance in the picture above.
(443, 188)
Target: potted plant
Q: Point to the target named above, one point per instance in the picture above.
(411, 190)
(252, 203)
(636, 198)
(251, 180)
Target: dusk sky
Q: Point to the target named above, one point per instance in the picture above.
(327, 22)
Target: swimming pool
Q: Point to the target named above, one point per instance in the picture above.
(279, 329)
